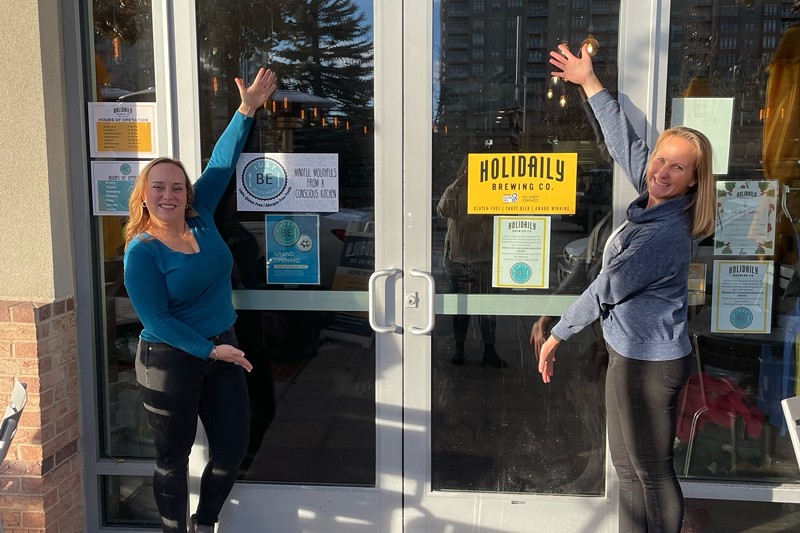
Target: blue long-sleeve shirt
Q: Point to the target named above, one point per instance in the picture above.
(641, 293)
(185, 299)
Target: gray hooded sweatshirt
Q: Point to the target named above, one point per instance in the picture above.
(641, 293)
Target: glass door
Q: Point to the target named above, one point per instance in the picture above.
(503, 240)
(326, 432)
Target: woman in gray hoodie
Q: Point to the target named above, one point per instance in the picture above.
(640, 296)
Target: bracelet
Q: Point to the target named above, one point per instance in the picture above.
(214, 353)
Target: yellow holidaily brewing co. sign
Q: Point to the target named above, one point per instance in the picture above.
(543, 184)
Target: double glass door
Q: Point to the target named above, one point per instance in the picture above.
(398, 390)
(417, 405)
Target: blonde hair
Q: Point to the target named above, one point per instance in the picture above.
(703, 192)
(139, 216)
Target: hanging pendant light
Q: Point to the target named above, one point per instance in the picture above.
(592, 45)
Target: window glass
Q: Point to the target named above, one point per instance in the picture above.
(322, 363)
(489, 430)
(734, 73)
(123, 70)
(129, 501)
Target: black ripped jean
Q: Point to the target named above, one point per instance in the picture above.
(176, 388)
(642, 406)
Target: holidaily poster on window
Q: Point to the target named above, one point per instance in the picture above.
(745, 223)
(522, 252)
(742, 300)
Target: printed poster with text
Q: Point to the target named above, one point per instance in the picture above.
(522, 252)
(292, 249)
(122, 129)
(112, 183)
(742, 299)
(513, 183)
(288, 182)
(745, 223)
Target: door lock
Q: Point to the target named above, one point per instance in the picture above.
(412, 299)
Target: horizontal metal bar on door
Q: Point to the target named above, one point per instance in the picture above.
(446, 304)
(503, 304)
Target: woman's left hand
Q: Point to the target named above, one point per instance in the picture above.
(547, 358)
(258, 93)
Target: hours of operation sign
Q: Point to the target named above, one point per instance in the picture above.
(122, 129)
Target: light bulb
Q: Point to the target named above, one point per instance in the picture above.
(554, 80)
(562, 102)
(549, 93)
(592, 46)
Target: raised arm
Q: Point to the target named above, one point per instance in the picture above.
(622, 141)
(212, 183)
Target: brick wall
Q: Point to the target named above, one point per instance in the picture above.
(41, 489)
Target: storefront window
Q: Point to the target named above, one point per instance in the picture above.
(322, 363)
(492, 428)
(733, 73)
(123, 72)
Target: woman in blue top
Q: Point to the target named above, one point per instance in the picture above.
(640, 296)
(178, 277)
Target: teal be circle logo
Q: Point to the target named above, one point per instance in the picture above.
(264, 178)
(125, 169)
(286, 232)
(521, 272)
(741, 317)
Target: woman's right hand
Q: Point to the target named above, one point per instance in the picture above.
(576, 69)
(230, 354)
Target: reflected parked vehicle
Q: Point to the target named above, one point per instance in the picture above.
(581, 255)
(332, 230)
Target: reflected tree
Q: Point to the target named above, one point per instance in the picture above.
(319, 47)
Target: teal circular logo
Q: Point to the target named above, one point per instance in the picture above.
(741, 317)
(264, 178)
(520, 272)
(286, 232)
(125, 169)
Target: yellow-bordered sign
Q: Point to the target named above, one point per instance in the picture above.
(542, 184)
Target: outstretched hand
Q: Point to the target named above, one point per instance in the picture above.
(233, 355)
(547, 358)
(576, 69)
(258, 93)
(539, 333)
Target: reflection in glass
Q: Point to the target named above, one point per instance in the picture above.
(495, 427)
(731, 425)
(128, 501)
(123, 71)
(312, 391)
(740, 516)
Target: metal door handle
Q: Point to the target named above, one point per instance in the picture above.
(431, 297)
(373, 281)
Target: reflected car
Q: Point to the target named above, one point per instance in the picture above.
(580, 255)
(333, 228)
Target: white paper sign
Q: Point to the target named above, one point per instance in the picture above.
(713, 117)
(122, 129)
(742, 300)
(521, 257)
(112, 182)
(745, 222)
(288, 183)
